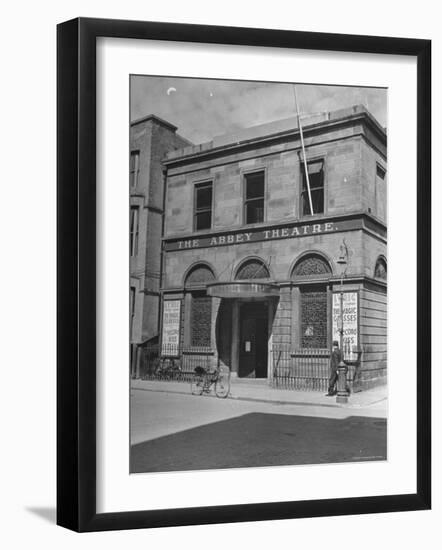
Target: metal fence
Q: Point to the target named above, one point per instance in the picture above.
(306, 369)
(173, 363)
(300, 369)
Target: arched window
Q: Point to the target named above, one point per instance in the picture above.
(313, 300)
(200, 304)
(310, 266)
(198, 276)
(253, 269)
(380, 270)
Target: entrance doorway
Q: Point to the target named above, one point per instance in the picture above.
(253, 340)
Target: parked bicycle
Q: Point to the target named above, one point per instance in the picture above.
(203, 380)
(168, 368)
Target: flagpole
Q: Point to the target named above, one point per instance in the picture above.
(303, 152)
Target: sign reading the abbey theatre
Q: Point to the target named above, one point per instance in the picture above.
(288, 231)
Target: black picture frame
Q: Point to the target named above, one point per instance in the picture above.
(76, 272)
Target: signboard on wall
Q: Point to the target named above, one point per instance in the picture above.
(287, 231)
(350, 317)
(171, 327)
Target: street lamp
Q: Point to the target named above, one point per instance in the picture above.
(342, 395)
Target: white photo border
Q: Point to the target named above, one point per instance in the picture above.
(117, 491)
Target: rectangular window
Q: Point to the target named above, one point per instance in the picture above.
(316, 179)
(134, 224)
(132, 307)
(254, 197)
(380, 192)
(201, 319)
(380, 173)
(132, 301)
(203, 206)
(134, 168)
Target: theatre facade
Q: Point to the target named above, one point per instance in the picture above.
(255, 254)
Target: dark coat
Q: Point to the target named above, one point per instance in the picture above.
(335, 359)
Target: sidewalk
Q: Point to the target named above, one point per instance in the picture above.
(263, 393)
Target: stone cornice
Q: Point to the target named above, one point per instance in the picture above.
(207, 151)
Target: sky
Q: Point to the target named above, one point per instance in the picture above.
(205, 108)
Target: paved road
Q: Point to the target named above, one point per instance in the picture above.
(173, 432)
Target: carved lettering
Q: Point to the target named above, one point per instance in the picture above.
(253, 235)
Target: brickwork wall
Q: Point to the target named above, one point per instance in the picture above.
(373, 337)
(348, 169)
(372, 248)
(282, 322)
(153, 140)
(374, 192)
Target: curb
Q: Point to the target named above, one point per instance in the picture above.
(273, 401)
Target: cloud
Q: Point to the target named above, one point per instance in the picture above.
(203, 108)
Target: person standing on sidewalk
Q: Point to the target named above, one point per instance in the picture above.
(335, 359)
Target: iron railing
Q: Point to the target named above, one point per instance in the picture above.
(302, 369)
(169, 362)
(306, 369)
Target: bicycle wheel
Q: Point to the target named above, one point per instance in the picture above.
(197, 385)
(222, 385)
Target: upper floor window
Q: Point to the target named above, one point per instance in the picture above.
(254, 197)
(380, 173)
(316, 181)
(203, 206)
(134, 230)
(134, 168)
(132, 307)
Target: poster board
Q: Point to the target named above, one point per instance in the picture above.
(350, 307)
(171, 327)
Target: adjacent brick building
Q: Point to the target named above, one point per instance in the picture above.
(151, 138)
(250, 271)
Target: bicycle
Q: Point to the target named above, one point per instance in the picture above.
(168, 368)
(203, 380)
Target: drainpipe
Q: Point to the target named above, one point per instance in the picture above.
(163, 220)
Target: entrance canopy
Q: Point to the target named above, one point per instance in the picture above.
(243, 289)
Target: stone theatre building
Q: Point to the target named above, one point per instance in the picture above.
(249, 270)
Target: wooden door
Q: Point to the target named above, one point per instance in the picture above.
(253, 340)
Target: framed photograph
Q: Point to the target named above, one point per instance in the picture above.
(243, 274)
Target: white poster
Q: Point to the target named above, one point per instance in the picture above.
(171, 327)
(350, 321)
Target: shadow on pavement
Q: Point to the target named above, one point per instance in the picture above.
(262, 439)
